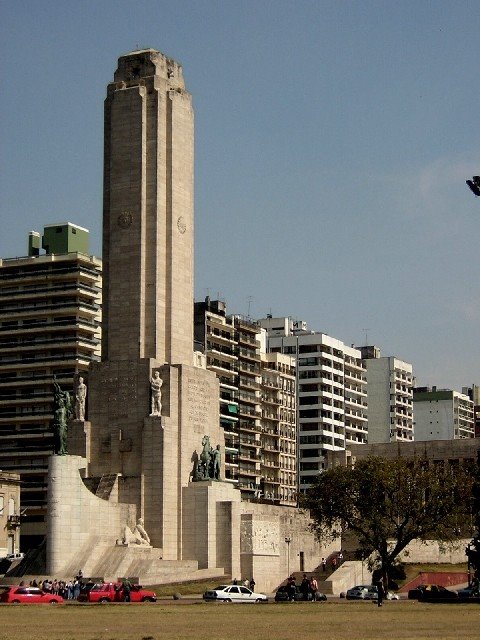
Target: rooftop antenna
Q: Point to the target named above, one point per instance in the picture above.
(366, 336)
(249, 300)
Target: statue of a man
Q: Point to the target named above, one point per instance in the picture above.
(215, 453)
(80, 398)
(156, 391)
(140, 534)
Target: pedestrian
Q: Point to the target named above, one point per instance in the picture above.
(246, 582)
(252, 585)
(379, 584)
(324, 565)
(127, 587)
(235, 581)
(291, 588)
(334, 563)
(340, 558)
(313, 588)
(305, 587)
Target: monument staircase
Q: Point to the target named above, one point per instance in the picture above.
(335, 580)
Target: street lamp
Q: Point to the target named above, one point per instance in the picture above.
(288, 541)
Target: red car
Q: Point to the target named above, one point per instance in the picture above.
(28, 595)
(113, 592)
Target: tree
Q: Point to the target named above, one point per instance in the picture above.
(387, 503)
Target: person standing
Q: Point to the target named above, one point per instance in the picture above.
(127, 588)
(313, 588)
(252, 585)
(291, 588)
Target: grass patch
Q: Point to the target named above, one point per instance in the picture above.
(403, 620)
(186, 588)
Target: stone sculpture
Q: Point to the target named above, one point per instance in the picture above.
(207, 466)
(137, 536)
(61, 414)
(80, 399)
(156, 394)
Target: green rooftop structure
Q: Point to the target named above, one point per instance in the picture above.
(65, 237)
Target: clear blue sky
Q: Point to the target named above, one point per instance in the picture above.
(333, 140)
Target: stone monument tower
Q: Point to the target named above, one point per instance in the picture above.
(145, 452)
(149, 406)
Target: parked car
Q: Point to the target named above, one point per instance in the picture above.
(283, 595)
(362, 592)
(113, 592)
(431, 592)
(15, 556)
(437, 592)
(467, 592)
(234, 593)
(28, 595)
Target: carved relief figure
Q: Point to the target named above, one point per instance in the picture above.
(80, 398)
(156, 393)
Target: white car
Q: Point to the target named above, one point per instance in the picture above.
(234, 593)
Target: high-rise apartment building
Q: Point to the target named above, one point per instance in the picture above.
(331, 391)
(257, 403)
(442, 414)
(214, 334)
(49, 326)
(473, 393)
(279, 434)
(390, 397)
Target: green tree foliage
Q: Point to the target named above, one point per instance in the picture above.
(387, 503)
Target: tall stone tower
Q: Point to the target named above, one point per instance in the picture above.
(147, 329)
(148, 212)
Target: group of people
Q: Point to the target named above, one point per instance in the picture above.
(246, 583)
(69, 590)
(308, 588)
(335, 561)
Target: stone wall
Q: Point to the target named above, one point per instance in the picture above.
(76, 516)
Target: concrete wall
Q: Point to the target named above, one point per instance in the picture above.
(434, 551)
(75, 514)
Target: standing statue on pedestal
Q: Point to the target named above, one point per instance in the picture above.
(80, 398)
(156, 393)
(215, 455)
(62, 409)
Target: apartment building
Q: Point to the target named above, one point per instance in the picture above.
(214, 334)
(331, 391)
(10, 514)
(257, 403)
(473, 393)
(279, 434)
(390, 397)
(442, 414)
(49, 326)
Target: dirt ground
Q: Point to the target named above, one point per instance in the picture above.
(211, 621)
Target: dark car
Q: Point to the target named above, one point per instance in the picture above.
(438, 593)
(426, 592)
(283, 595)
